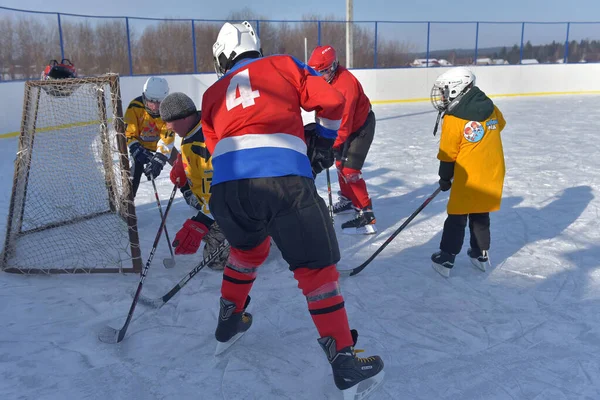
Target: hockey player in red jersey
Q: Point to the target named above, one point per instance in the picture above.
(263, 187)
(353, 142)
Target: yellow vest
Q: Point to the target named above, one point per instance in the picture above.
(476, 149)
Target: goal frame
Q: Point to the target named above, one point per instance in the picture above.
(23, 166)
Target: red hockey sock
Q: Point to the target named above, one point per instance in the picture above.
(354, 187)
(325, 303)
(240, 272)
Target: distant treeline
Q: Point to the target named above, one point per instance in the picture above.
(97, 46)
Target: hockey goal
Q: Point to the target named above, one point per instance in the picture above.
(71, 207)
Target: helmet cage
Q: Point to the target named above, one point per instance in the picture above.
(440, 97)
(329, 72)
(151, 105)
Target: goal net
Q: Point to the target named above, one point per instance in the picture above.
(71, 207)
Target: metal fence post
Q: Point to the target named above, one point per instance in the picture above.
(258, 28)
(428, 36)
(566, 58)
(60, 38)
(194, 45)
(476, 42)
(375, 52)
(129, 46)
(522, 36)
(318, 33)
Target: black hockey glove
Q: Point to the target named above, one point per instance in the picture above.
(445, 185)
(140, 154)
(190, 197)
(155, 166)
(318, 149)
(446, 173)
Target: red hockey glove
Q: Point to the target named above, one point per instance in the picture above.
(187, 240)
(178, 172)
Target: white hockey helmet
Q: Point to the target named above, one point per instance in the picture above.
(155, 90)
(450, 86)
(234, 40)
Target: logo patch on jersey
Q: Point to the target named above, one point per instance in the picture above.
(149, 133)
(473, 131)
(492, 124)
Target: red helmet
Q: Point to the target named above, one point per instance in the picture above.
(324, 60)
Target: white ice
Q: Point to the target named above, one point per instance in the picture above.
(529, 328)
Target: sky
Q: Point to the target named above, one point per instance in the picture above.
(398, 10)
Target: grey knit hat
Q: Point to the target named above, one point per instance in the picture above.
(176, 106)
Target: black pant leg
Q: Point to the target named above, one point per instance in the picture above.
(360, 143)
(454, 233)
(138, 169)
(479, 228)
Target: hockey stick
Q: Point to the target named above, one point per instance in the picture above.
(161, 301)
(354, 271)
(112, 335)
(329, 194)
(167, 262)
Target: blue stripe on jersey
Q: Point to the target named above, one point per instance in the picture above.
(301, 65)
(242, 63)
(262, 162)
(326, 133)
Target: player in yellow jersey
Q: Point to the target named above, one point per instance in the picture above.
(150, 141)
(193, 172)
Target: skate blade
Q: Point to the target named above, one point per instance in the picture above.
(366, 387)
(479, 265)
(440, 269)
(223, 346)
(169, 263)
(345, 212)
(108, 335)
(370, 229)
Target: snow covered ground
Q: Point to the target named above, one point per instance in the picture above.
(526, 329)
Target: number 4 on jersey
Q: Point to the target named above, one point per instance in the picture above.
(241, 82)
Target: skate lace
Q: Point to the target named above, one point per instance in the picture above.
(363, 359)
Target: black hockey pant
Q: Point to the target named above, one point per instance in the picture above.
(454, 232)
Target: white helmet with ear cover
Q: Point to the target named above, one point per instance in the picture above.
(450, 86)
(234, 40)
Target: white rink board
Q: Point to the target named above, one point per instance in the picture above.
(381, 85)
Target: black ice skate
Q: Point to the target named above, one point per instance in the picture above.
(343, 205)
(479, 258)
(356, 377)
(363, 224)
(231, 325)
(443, 262)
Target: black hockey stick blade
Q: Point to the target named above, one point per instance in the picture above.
(161, 301)
(169, 263)
(354, 271)
(109, 335)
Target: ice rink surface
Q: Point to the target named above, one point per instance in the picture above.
(529, 328)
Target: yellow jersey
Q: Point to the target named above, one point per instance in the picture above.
(151, 133)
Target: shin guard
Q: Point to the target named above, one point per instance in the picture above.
(240, 273)
(325, 303)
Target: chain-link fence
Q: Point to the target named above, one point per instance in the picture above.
(144, 46)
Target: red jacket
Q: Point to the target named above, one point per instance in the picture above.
(357, 105)
(252, 120)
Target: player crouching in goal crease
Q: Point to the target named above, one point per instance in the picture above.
(192, 172)
(471, 166)
(263, 188)
(149, 140)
